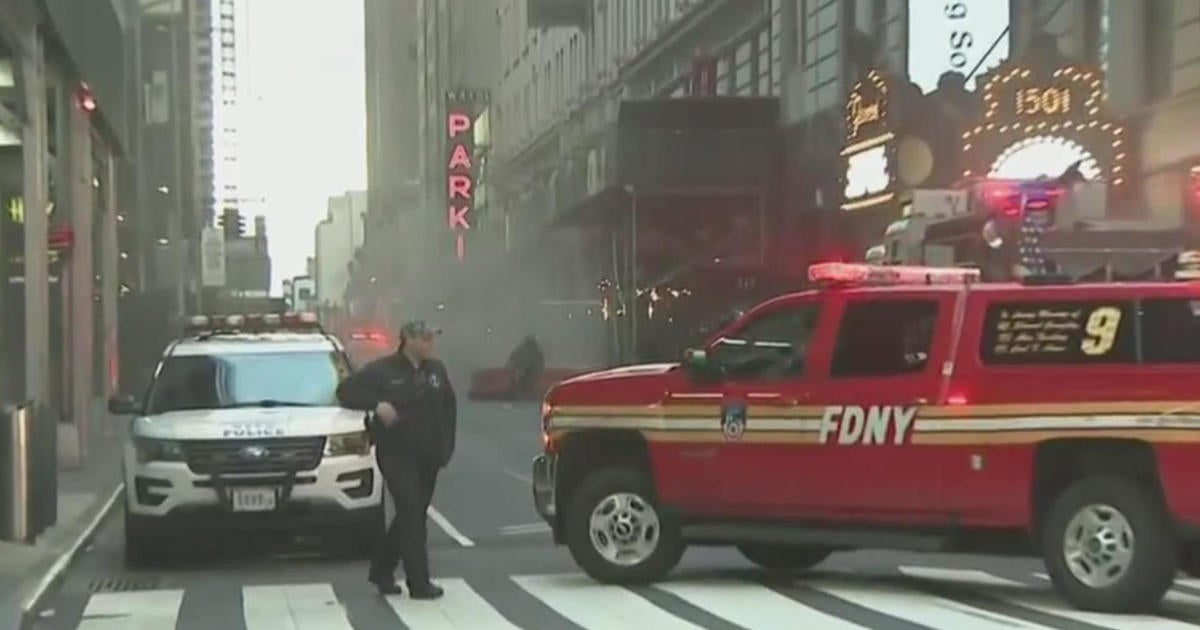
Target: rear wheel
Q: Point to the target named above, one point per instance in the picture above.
(1108, 546)
(784, 557)
(616, 532)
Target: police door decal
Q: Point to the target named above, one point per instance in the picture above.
(733, 419)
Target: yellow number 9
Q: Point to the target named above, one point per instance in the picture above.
(1101, 329)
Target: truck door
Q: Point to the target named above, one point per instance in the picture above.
(764, 387)
(884, 373)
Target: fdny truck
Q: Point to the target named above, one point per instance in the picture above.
(899, 407)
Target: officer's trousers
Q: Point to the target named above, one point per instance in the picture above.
(411, 483)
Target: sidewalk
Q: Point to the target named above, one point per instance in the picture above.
(85, 495)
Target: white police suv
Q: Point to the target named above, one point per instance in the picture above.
(240, 428)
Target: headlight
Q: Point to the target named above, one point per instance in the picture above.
(348, 444)
(158, 450)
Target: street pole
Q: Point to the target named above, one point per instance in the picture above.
(36, 200)
(634, 308)
(81, 194)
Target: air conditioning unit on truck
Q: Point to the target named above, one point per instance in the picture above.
(1013, 228)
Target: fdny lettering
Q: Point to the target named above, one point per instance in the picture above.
(867, 425)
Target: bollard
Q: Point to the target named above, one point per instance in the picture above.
(16, 491)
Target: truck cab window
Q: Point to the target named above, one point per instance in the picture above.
(772, 346)
(1171, 331)
(884, 338)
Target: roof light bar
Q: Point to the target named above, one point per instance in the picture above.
(888, 275)
(251, 322)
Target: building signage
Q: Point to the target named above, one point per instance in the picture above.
(463, 108)
(870, 151)
(954, 36)
(1039, 124)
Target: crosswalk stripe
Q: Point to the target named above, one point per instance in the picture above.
(927, 610)
(460, 607)
(753, 606)
(140, 610)
(958, 576)
(597, 606)
(1115, 622)
(293, 607)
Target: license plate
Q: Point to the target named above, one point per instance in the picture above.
(253, 499)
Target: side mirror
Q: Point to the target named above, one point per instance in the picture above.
(699, 366)
(123, 405)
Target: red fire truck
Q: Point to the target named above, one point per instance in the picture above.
(900, 407)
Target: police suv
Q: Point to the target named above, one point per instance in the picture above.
(241, 428)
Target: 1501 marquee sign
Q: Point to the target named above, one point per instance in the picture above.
(1041, 122)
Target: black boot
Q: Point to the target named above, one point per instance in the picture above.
(429, 590)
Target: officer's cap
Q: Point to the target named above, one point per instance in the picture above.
(418, 328)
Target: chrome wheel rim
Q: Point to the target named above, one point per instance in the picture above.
(1098, 545)
(624, 529)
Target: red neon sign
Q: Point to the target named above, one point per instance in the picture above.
(460, 176)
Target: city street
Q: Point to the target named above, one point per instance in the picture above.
(500, 571)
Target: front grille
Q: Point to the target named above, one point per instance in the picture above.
(235, 457)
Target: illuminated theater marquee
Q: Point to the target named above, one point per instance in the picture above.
(1040, 123)
(869, 152)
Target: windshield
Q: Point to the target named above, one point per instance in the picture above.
(306, 379)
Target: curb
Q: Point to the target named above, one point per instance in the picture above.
(53, 576)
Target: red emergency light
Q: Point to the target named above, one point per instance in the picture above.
(887, 275)
(252, 322)
(1009, 197)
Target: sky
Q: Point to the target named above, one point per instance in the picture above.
(303, 119)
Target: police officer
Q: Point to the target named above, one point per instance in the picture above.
(412, 414)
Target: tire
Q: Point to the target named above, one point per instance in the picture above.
(1189, 559)
(1150, 569)
(144, 546)
(784, 557)
(595, 492)
(360, 539)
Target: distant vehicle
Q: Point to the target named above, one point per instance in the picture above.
(241, 429)
(367, 343)
(900, 407)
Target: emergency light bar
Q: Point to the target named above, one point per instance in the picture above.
(255, 322)
(887, 275)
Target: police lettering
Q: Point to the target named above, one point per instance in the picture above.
(252, 431)
(867, 425)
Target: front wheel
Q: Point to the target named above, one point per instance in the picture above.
(616, 532)
(784, 557)
(1108, 546)
(144, 545)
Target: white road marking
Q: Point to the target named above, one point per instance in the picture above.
(518, 476)
(753, 606)
(293, 607)
(1116, 622)
(138, 610)
(450, 530)
(1174, 597)
(461, 607)
(597, 606)
(529, 528)
(1188, 582)
(927, 610)
(960, 576)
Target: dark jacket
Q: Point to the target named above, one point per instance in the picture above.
(423, 398)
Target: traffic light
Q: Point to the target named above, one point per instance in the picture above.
(232, 222)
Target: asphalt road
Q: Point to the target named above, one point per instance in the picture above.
(501, 572)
